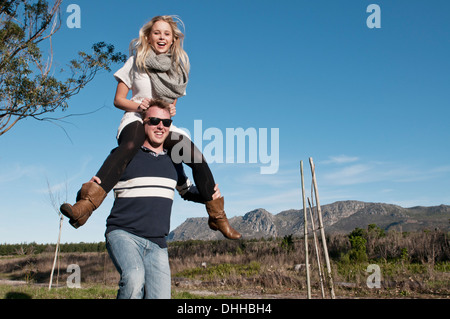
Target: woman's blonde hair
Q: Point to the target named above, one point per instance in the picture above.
(140, 46)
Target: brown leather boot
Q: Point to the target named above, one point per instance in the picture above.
(218, 219)
(90, 197)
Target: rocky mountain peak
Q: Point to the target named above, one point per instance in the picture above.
(342, 216)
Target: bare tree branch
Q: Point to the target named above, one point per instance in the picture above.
(34, 92)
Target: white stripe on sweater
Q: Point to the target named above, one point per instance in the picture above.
(145, 187)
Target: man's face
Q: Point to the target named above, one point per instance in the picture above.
(156, 134)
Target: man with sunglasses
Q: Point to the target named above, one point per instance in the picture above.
(139, 221)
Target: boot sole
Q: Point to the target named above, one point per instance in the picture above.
(216, 228)
(66, 210)
(74, 223)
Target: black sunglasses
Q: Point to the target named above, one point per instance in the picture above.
(155, 121)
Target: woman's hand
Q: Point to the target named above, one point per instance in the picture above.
(173, 110)
(217, 194)
(145, 104)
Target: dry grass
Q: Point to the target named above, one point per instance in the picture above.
(95, 268)
(413, 265)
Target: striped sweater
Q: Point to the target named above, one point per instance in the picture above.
(144, 196)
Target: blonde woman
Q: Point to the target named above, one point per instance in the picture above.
(158, 67)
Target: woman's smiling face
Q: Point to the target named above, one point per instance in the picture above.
(161, 37)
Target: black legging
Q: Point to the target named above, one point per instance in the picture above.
(201, 173)
(130, 140)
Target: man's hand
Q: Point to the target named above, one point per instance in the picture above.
(96, 180)
(217, 194)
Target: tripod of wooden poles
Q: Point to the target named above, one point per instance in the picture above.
(314, 189)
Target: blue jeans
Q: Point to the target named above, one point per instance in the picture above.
(143, 266)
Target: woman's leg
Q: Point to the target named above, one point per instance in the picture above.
(179, 144)
(91, 195)
(131, 139)
(182, 149)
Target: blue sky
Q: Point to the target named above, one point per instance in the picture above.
(370, 106)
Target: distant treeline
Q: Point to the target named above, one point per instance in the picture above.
(35, 248)
(358, 246)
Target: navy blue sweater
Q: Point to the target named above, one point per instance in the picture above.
(144, 196)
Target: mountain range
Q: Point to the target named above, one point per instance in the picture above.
(338, 217)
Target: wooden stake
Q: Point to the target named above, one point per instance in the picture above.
(322, 231)
(316, 246)
(56, 252)
(308, 283)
